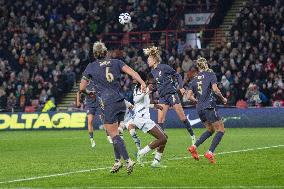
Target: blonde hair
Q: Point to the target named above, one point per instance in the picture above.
(99, 49)
(154, 52)
(202, 64)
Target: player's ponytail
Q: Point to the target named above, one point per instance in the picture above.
(99, 50)
(153, 52)
(202, 65)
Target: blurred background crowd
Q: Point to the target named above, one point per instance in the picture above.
(45, 45)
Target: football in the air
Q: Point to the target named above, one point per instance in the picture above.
(124, 18)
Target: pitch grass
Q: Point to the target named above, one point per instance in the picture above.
(26, 154)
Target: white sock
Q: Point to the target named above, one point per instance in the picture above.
(145, 150)
(109, 139)
(158, 157)
(135, 138)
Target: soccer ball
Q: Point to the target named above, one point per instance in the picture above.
(124, 18)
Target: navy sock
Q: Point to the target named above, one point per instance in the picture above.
(91, 134)
(116, 153)
(203, 137)
(120, 146)
(216, 141)
(162, 126)
(188, 127)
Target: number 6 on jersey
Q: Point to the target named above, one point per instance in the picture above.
(109, 75)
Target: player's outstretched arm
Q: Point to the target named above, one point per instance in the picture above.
(191, 97)
(217, 91)
(134, 75)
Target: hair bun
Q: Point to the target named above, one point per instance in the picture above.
(152, 51)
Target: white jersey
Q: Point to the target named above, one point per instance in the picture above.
(141, 117)
(141, 103)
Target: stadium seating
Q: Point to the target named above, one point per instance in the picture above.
(43, 48)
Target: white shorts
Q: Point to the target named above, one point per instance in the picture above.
(143, 123)
(128, 117)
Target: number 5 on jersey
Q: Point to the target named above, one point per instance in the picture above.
(199, 87)
(109, 75)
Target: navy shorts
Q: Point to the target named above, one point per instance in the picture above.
(93, 110)
(114, 112)
(170, 99)
(210, 115)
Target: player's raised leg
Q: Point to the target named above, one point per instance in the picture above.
(136, 139)
(159, 144)
(162, 115)
(179, 110)
(158, 133)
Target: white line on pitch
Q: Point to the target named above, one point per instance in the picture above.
(235, 151)
(103, 168)
(190, 187)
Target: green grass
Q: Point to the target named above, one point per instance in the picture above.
(26, 154)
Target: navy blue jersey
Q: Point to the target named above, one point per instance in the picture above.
(105, 75)
(201, 85)
(163, 75)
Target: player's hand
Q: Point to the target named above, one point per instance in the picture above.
(150, 87)
(194, 101)
(143, 87)
(92, 95)
(157, 106)
(182, 91)
(225, 100)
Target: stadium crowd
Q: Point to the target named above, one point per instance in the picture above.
(46, 44)
(250, 66)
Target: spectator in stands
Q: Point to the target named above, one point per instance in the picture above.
(253, 95)
(45, 48)
(11, 102)
(3, 100)
(187, 64)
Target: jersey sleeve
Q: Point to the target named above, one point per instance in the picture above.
(120, 64)
(87, 74)
(138, 96)
(213, 78)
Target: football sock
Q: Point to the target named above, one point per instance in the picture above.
(120, 146)
(188, 127)
(120, 131)
(158, 157)
(116, 153)
(91, 134)
(216, 140)
(203, 137)
(145, 150)
(135, 138)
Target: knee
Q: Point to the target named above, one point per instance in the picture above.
(90, 123)
(163, 140)
(222, 130)
(211, 130)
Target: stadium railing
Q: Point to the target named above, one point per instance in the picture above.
(148, 37)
